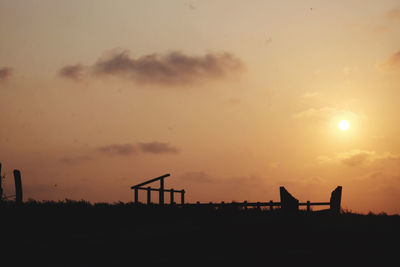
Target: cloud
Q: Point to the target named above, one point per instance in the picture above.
(393, 14)
(199, 176)
(118, 149)
(157, 148)
(131, 149)
(5, 72)
(170, 69)
(75, 160)
(357, 157)
(326, 113)
(190, 5)
(74, 72)
(393, 62)
(308, 95)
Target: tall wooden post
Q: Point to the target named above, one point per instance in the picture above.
(136, 195)
(172, 196)
(18, 186)
(1, 188)
(149, 195)
(183, 197)
(162, 191)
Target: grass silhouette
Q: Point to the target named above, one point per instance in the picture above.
(79, 233)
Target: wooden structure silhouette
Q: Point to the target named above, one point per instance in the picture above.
(287, 201)
(161, 190)
(18, 187)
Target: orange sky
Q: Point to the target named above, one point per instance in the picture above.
(233, 98)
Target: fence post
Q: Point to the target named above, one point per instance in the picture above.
(149, 195)
(1, 188)
(308, 206)
(271, 205)
(172, 196)
(245, 204)
(183, 197)
(136, 195)
(18, 186)
(162, 191)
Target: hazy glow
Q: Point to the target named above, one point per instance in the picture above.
(344, 125)
(221, 94)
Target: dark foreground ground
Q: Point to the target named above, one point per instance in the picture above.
(80, 234)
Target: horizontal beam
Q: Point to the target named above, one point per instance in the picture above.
(253, 204)
(237, 204)
(315, 204)
(158, 189)
(150, 181)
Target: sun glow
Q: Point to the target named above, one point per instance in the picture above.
(344, 125)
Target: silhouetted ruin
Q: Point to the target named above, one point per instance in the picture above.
(161, 191)
(335, 200)
(288, 202)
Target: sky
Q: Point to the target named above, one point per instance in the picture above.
(232, 98)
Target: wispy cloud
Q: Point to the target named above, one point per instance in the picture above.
(132, 149)
(325, 113)
(393, 14)
(169, 69)
(357, 157)
(308, 95)
(75, 160)
(118, 149)
(158, 148)
(393, 62)
(74, 72)
(5, 72)
(198, 176)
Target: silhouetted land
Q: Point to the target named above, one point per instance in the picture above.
(73, 233)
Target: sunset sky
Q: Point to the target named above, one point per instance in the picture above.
(233, 98)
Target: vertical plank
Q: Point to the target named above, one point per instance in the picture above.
(162, 191)
(136, 195)
(308, 206)
(148, 195)
(183, 197)
(1, 187)
(172, 196)
(18, 186)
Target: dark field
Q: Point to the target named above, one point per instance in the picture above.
(80, 234)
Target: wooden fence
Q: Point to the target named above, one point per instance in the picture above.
(287, 201)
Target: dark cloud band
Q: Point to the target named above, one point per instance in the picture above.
(5, 72)
(174, 68)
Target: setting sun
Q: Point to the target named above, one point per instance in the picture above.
(344, 125)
